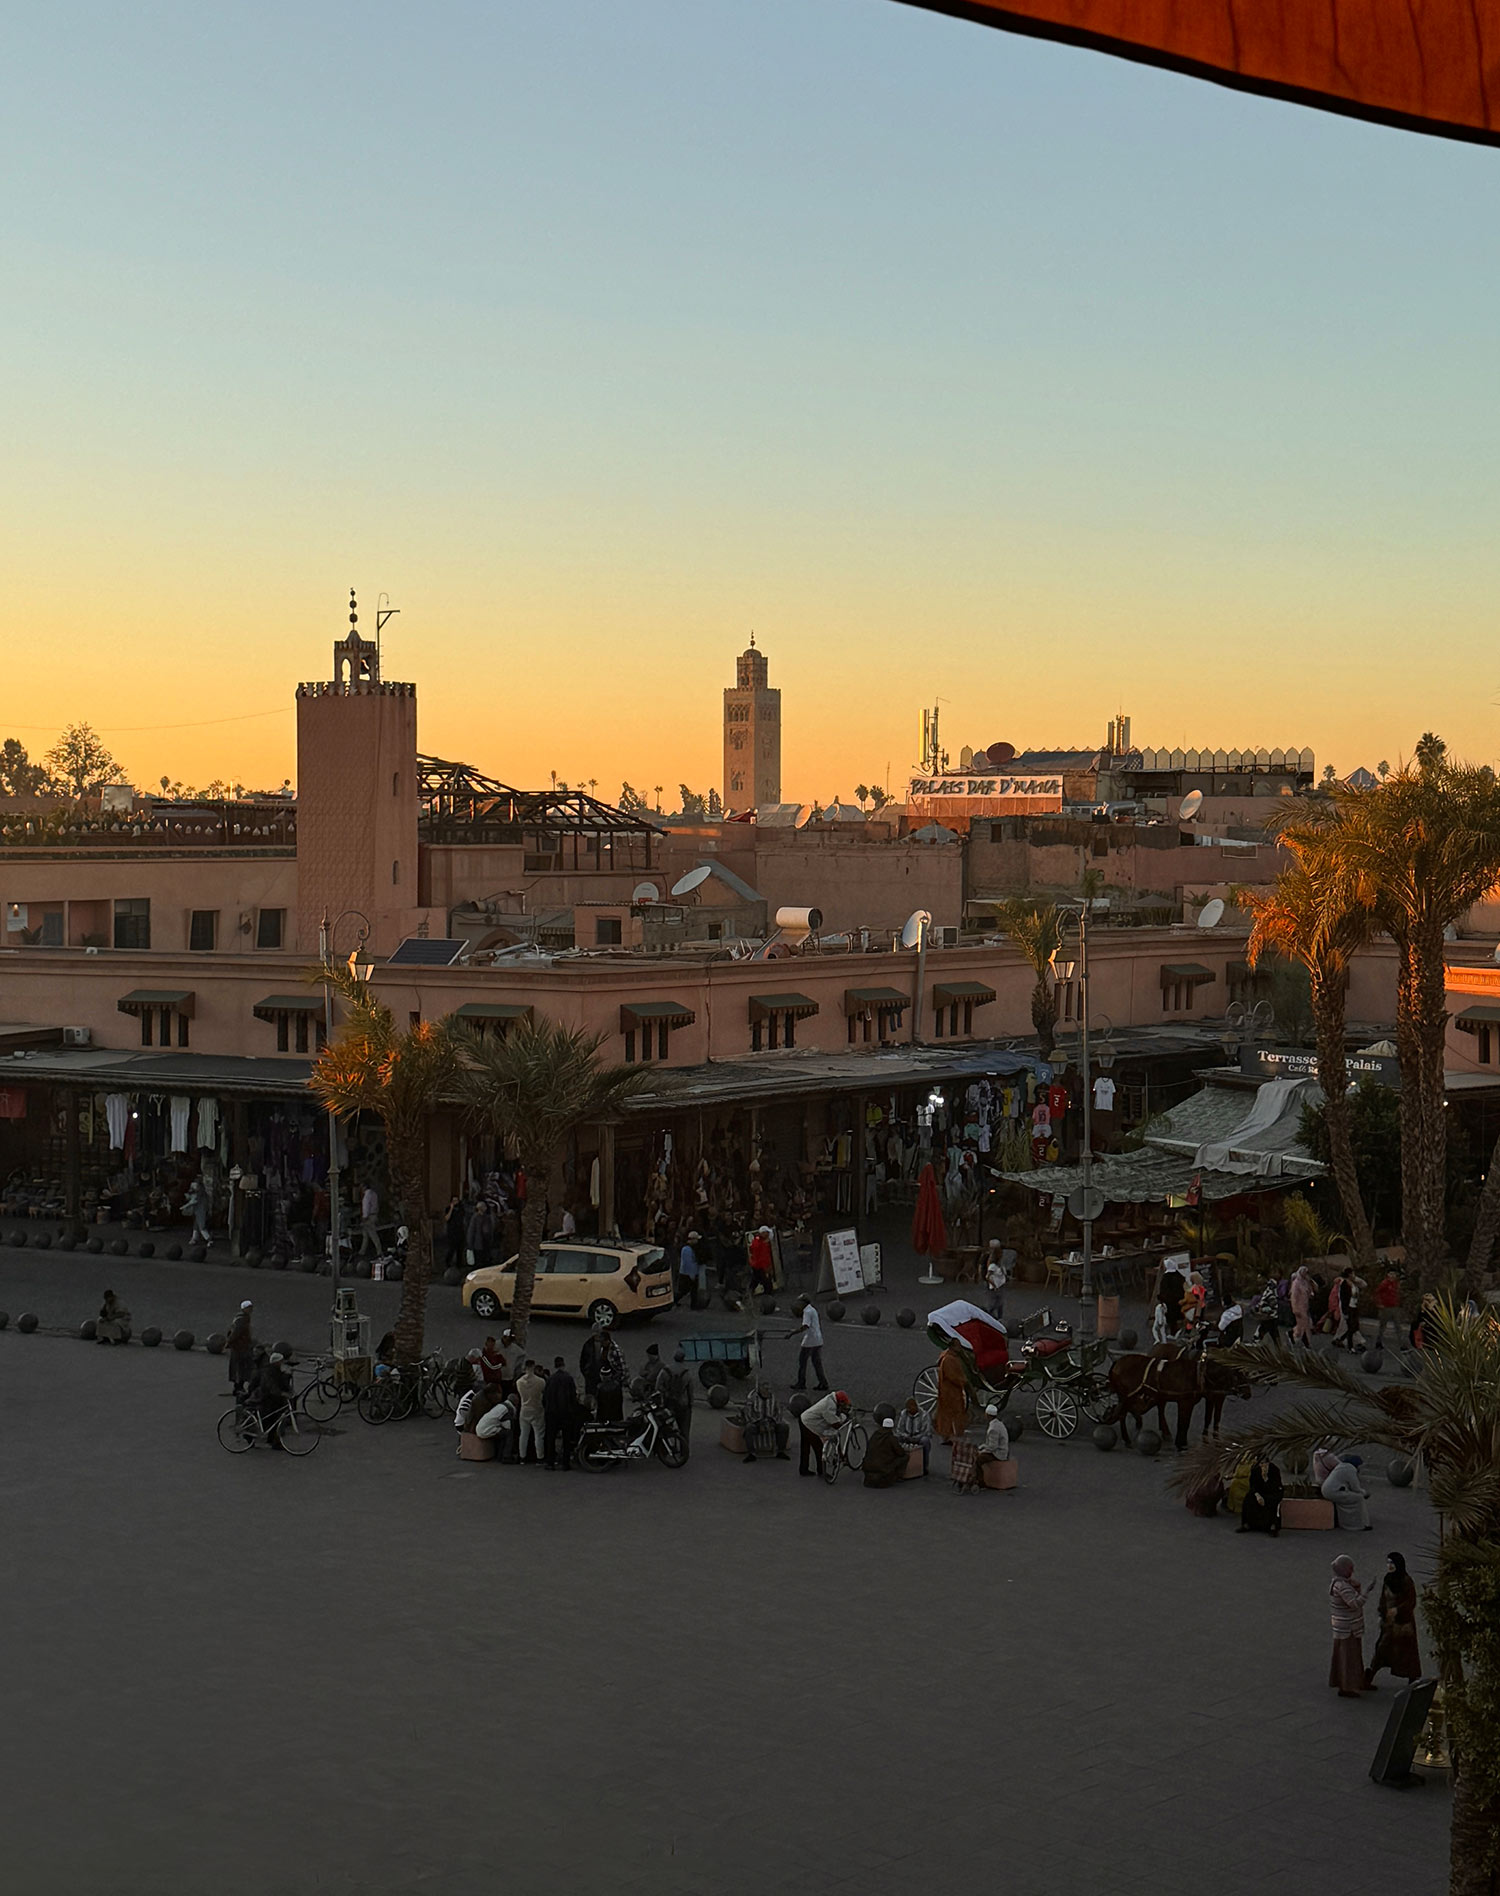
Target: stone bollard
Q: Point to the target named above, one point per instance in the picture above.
(88, 1329)
(906, 1318)
(43, 1240)
(17, 1240)
(1105, 1437)
(118, 1247)
(183, 1340)
(836, 1311)
(215, 1344)
(151, 1337)
(1148, 1442)
(147, 1248)
(718, 1396)
(1400, 1472)
(173, 1252)
(26, 1322)
(870, 1314)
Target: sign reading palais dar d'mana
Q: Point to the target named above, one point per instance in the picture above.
(956, 801)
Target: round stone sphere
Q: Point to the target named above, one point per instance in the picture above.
(395, 1272)
(196, 1253)
(253, 1258)
(1128, 1339)
(358, 1267)
(1015, 1426)
(870, 1314)
(26, 1322)
(17, 1239)
(67, 1242)
(799, 1403)
(151, 1337)
(1400, 1472)
(277, 1260)
(718, 1396)
(906, 1318)
(183, 1340)
(4, 1319)
(88, 1329)
(768, 1306)
(94, 1246)
(119, 1247)
(173, 1251)
(453, 1276)
(836, 1312)
(146, 1248)
(1106, 1435)
(1374, 1362)
(215, 1344)
(1148, 1442)
(43, 1240)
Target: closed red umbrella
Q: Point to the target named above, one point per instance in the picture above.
(929, 1234)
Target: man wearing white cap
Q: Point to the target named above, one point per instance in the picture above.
(241, 1347)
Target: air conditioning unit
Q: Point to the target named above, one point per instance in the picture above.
(78, 1036)
(947, 937)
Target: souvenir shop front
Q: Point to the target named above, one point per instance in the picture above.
(125, 1141)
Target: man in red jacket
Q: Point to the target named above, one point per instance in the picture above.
(1388, 1304)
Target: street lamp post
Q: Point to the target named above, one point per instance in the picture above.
(1087, 1208)
(326, 933)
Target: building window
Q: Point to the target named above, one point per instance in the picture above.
(630, 1046)
(270, 927)
(1484, 1045)
(145, 1026)
(203, 930)
(607, 931)
(396, 783)
(133, 924)
(182, 1030)
(283, 1034)
(395, 872)
(52, 929)
(302, 1020)
(777, 1029)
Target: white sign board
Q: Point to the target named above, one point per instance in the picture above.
(869, 1265)
(841, 1262)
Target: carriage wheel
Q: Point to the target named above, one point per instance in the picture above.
(1099, 1405)
(925, 1390)
(1056, 1413)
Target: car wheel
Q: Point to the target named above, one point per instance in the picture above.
(602, 1314)
(485, 1305)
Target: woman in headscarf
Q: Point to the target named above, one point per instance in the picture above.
(1346, 1600)
(1397, 1645)
(113, 1325)
(1260, 1512)
(1300, 1298)
(952, 1415)
(1350, 1499)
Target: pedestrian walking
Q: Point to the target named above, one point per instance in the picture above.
(1300, 1296)
(1396, 1644)
(559, 1417)
(1346, 1598)
(688, 1270)
(1268, 1313)
(369, 1215)
(653, 1369)
(762, 1263)
(1350, 1287)
(241, 1346)
(201, 1203)
(812, 1346)
(455, 1234)
(1387, 1305)
(997, 1276)
(531, 1387)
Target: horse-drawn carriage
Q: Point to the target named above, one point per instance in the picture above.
(1067, 1379)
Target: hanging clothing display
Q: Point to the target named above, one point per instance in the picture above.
(181, 1107)
(208, 1122)
(117, 1113)
(1104, 1095)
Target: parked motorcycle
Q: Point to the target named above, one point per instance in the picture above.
(651, 1429)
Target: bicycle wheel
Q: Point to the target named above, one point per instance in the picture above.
(833, 1459)
(298, 1433)
(855, 1444)
(236, 1431)
(321, 1399)
(377, 1402)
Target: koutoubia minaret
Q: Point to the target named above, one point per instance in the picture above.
(752, 735)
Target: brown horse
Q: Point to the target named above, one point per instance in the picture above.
(1142, 1383)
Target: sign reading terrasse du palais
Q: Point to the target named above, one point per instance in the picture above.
(956, 801)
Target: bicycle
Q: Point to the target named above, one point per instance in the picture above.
(424, 1388)
(845, 1449)
(326, 1393)
(241, 1427)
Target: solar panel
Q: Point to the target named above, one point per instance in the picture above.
(422, 951)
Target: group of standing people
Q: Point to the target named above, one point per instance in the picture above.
(1396, 1645)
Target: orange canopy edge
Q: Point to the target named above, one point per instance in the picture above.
(1423, 65)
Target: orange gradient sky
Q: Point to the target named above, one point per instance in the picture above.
(958, 366)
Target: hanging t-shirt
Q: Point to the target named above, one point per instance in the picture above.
(1057, 1102)
(1104, 1095)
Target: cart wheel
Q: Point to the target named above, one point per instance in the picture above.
(1056, 1413)
(925, 1390)
(1099, 1406)
(741, 1371)
(711, 1374)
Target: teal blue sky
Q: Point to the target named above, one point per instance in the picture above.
(956, 364)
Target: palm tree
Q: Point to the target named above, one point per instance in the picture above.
(1296, 919)
(1414, 852)
(534, 1088)
(1033, 929)
(1447, 1422)
(401, 1075)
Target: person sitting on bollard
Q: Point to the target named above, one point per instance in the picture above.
(996, 1444)
(766, 1430)
(114, 1321)
(1342, 1486)
(885, 1459)
(914, 1430)
(496, 1420)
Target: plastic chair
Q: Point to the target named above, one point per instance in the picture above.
(1057, 1274)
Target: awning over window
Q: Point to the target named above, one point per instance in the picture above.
(275, 1004)
(799, 1006)
(652, 1013)
(1193, 972)
(491, 1010)
(945, 993)
(874, 1000)
(142, 1000)
(1477, 1014)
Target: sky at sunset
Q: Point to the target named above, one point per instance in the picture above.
(957, 365)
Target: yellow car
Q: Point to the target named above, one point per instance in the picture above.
(578, 1278)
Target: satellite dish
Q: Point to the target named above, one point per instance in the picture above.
(804, 816)
(694, 879)
(1190, 805)
(1211, 914)
(1000, 754)
(916, 923)
(645, 892)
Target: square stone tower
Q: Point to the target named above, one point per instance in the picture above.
(752, 735)
(357, 799)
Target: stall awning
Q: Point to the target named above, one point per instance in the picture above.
(1192, 972)
(275, 1004)
(799, 1006)
(141, 1000)
(491, 1010)
(861, 1000)
(945, 993)
(1478, 1014)
(652, 1013)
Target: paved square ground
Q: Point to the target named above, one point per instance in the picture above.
(379, 1669)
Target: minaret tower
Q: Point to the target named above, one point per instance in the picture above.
(752, 735)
